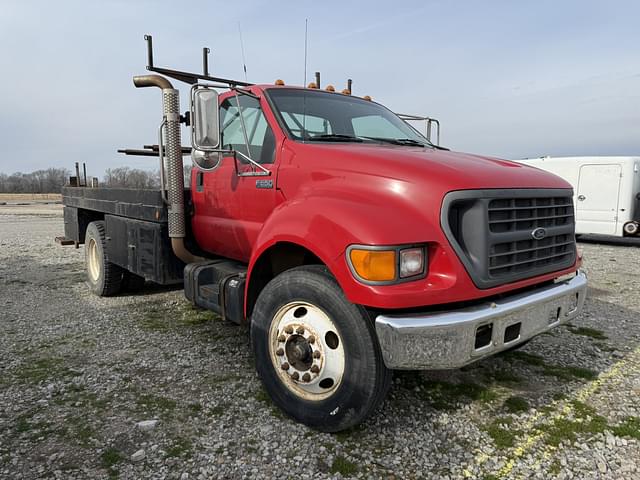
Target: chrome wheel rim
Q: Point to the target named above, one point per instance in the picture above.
(93, 261)
(306, 350)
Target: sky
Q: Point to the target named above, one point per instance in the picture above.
(511, 79)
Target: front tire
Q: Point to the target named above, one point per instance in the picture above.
(104, 278)
(316, 353)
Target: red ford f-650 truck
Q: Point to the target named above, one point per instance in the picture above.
(348, 242)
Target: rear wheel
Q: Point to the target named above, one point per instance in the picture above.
(316, 353)
(104, 278)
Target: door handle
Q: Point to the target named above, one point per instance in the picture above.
(582, 198)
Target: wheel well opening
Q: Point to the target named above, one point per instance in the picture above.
(85, 217)
(273, 261)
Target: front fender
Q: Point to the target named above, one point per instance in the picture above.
(326, 226)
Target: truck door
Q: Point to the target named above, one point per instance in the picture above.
(231, 209)
(597, 199)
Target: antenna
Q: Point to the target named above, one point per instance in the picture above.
(244, 63)
(306, 21)
(205, 61)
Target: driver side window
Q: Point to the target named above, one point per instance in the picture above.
(260, 137)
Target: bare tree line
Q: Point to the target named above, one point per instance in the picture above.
(52, 180)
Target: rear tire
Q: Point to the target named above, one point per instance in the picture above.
(316, 353)
(104, 278)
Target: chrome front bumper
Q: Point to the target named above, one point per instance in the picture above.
(443, 340)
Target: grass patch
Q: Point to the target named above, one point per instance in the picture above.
(217, 410)
(79, 394)
(40, 369)
(516, 404)
(501, 432)
(506, 376)
(26, 425)
(263, 397)
(343, 466)
(569, 373)
(630, 427)
(182, 448)
(162, 319)
(446, 395)
(565, 373)
(563, 430)
(80, 430)
(156, 403)
(110, 458)
(192, 315)
(588, 332)
(555, 468)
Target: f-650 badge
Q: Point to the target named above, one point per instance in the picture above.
(264, 183)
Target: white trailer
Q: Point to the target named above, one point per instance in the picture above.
(606, 191)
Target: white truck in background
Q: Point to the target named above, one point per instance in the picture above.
(606, 191)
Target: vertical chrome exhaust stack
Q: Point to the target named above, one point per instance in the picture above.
(173, 163)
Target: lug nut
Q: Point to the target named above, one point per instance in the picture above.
(316, 354)
(315, 368)
(282, 338)
(300, 330)
(288, 329)
(311, 339)
(306, 377)
(280, 352)
(295, 375)
(285, 366)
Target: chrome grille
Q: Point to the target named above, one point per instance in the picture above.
(492, 231)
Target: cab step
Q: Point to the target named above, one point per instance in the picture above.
(217, 285)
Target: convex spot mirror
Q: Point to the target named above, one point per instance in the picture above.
(205, 160)
(205, 124)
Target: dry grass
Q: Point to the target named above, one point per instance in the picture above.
(21, 197)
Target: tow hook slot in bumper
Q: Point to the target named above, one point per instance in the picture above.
(445, 340)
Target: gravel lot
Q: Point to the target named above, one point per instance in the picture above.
(145, 386)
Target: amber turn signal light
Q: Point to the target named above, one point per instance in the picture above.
(374, 265)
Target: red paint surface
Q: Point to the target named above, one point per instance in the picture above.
(330, 196)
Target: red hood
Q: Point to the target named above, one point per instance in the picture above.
(446, 169)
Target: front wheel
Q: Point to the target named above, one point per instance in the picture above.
(316, 353)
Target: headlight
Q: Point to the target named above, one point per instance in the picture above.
(385, 265)
(411, 262)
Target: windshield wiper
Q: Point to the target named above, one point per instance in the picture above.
(398, 141)
(406, 141)
(333, 137)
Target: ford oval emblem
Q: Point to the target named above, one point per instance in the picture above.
(539, 233)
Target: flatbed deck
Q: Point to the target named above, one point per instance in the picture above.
(139, 204)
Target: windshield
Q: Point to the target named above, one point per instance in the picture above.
(323, 116)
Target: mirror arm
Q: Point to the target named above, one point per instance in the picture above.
(253, 163)
(244, 128)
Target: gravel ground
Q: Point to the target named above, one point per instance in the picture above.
(145, 386)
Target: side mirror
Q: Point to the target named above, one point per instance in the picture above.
(205, 120)
(205, 160)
